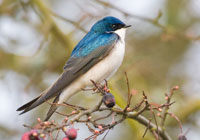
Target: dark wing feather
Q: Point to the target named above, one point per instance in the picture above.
(75, 67)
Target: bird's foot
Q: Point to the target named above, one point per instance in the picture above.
(106, 89)
(113, 118)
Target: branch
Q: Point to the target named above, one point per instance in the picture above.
(144, 121)
(85, 115)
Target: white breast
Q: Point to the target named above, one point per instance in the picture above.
(107, 67)
(104, 69)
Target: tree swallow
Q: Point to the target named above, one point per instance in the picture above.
(96, 57)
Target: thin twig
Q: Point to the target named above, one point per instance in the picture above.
(129, 94)
(147, 128)
(168, 98)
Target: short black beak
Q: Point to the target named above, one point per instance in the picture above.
(127, 26)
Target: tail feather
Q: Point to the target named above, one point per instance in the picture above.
(38, 101)
(52, 108)
(33, 103)
(28, 104)
(32, 106)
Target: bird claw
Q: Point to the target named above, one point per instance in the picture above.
(106, 89)
(113, 118)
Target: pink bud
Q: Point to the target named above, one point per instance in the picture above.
(176, 87)
(160, 109)
(166, 97)
(96, 131)
(66, 119)
(89, 118)
(39, 120)
(128, 109)
(74, 112)
(46, 123)
(158, 114)
(100, 127)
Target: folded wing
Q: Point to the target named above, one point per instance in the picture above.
(86, 56)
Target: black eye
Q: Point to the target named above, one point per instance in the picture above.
(114, 26)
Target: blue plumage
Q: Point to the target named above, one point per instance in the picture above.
(98, 36)
(97, 56)
(106, 25)
(90, 45)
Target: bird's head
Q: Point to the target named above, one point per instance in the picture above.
(108, 24)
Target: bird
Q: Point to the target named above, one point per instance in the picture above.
(96, 57)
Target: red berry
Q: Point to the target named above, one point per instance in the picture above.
(109, 100)
(182, 137)
(65, 138)
(25, 136)
(32, 135)
(71, 133)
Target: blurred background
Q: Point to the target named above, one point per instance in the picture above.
(162, 50)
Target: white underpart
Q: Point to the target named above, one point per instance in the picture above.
(104, 69)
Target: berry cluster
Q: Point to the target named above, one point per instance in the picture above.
(71, 134)
(33, 135)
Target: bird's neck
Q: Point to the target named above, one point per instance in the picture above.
(121, 33)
